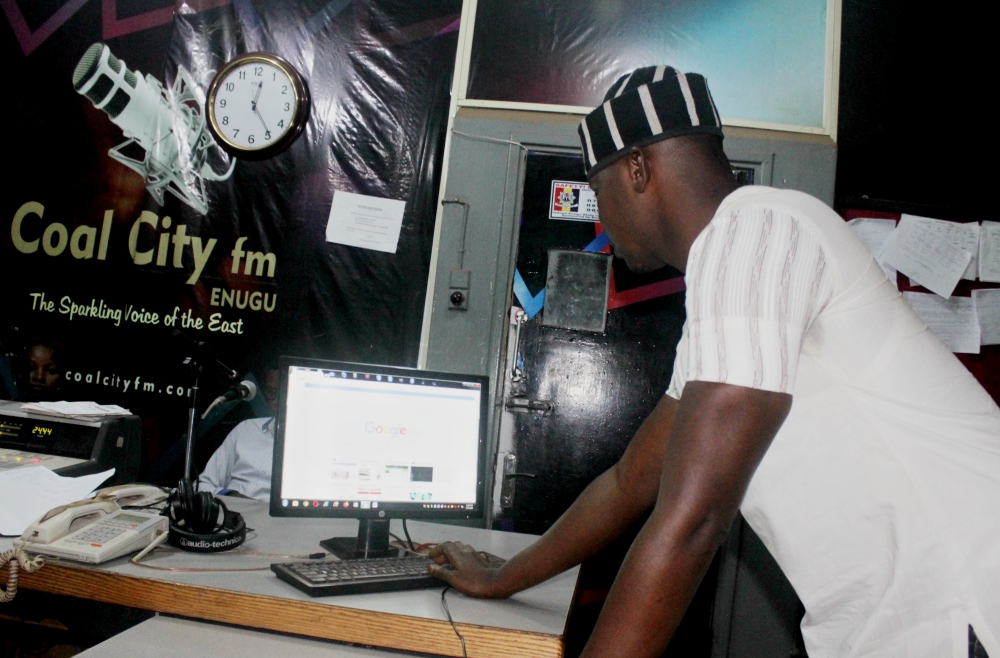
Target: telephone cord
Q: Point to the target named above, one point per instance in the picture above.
(18, 560)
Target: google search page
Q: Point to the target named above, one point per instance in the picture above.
(352, 436)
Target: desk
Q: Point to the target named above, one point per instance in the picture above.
(528, 624)
(168, 637)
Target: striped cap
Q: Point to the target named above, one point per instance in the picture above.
(646, 106)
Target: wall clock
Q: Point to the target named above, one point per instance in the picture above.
(258, 105)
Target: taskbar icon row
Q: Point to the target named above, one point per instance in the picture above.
(366, 504)
(359, 504)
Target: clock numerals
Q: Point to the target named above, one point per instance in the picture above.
(267, 134)
(225, 121)
(230, 86)
(281, 124)
(222, 102)
(258, 71)
(284, 90)
(288, 106)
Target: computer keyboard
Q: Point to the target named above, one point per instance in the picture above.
(390, 574)
(329, 578)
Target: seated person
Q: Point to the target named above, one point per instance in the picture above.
(242, 464)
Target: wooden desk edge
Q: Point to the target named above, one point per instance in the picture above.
(304, 618)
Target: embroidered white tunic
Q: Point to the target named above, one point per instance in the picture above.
(880, 495)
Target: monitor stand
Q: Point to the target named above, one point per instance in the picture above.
(372, 542)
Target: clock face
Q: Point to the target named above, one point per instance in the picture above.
(257, 105)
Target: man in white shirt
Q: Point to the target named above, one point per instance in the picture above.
(242, 464)
(805, 392)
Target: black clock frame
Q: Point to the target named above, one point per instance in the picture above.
(298, 120)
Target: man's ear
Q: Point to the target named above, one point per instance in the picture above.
(638, 169)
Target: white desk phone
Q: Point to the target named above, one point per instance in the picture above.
(98, 529)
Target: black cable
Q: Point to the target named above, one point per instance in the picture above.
(407, 533)
(444, 604)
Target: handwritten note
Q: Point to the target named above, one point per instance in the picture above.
(365, 221)
(874, 233)
(931, 252)
(987, 304)
(989, 252)
(28, 492)
(953, 320)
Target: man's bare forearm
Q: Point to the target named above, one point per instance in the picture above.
(721, 434)
(602, 513)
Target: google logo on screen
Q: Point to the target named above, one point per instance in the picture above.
(391, 430)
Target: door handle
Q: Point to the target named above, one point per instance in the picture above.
(510, 476)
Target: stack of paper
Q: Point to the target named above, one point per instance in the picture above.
(874, 233)
(29, 492)
(934, 253)
(953, 320)
(987, 303)
(989, 252)
(79, 410)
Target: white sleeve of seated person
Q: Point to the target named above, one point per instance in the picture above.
(756, 280)
(219, 469)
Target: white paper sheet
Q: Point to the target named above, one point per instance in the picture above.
(76, 409)
(989, 252)
(365, 221)
(988, 311)
(873, 233)
(930, 252)
(953, 320)
(29, 492)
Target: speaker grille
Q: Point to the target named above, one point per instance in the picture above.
(87, 66)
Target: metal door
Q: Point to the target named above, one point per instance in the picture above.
(574, 398)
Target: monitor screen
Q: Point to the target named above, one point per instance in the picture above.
(356, 440)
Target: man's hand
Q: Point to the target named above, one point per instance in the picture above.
(462, 567)
(606, 509)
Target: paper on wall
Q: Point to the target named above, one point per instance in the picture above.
(359, 220)
(933, 255)
(873, 233)
(987, 304)
(989, 252)
(953, 320)
(30, 491)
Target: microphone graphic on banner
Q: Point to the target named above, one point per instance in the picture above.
(167, 124)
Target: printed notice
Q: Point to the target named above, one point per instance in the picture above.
(930, 252)
(365, 221)
(953, 320)
(989, 252)
(874, 233)
(572, 201)
(987, 304)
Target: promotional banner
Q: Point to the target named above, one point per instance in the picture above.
(123, 218)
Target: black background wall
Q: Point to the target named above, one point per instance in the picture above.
(913, 128)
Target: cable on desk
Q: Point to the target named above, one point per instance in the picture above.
(18, 560)
(407, 533)
(163, 537)
(444, 604)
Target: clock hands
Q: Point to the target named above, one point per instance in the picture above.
(253, 106)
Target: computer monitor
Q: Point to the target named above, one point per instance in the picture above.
(376, 442)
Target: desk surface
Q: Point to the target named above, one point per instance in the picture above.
(530, 623)
(169, 637)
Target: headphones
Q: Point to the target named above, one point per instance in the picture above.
(201, 522)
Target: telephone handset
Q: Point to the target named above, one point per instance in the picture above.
(94, 530)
